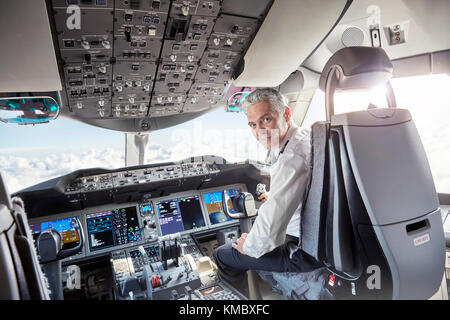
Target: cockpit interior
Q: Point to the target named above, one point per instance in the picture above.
(376, 211)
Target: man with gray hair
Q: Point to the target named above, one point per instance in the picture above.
(272, 243)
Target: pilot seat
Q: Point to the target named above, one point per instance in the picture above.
(371, 212)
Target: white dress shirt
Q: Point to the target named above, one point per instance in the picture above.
(280, 214)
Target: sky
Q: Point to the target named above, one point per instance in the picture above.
(33, 154)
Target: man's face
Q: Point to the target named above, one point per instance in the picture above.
(268, 127)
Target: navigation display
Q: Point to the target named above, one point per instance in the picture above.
(112, 227)
(213, 203)
(180, 214)
(64, 226)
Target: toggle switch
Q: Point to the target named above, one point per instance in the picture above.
(106, 44)
(85, 44)
(127, 32)
(185, 10)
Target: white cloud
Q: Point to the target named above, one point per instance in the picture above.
(23, 171)
(234, 145)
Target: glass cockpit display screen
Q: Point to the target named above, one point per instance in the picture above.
(110, 228)
(180, 214)
(213, 203)
(65, 227)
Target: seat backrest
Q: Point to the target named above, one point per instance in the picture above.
(20, 271)
(313, 217)
(371, 203)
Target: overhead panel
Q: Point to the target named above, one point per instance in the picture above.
(132, 59)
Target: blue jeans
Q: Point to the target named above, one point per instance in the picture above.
(232, 265)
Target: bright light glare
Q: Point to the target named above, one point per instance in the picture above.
(428, 100)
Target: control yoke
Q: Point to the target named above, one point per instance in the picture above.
(244, 207)
(243, 204)
(50, 244)
(50, 250)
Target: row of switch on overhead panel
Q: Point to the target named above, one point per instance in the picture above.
(129, 55)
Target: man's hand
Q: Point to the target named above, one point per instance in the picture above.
(240, 243)
(263, 197)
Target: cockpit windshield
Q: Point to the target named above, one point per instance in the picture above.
(30, 155)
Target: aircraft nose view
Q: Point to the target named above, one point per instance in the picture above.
(224, 155)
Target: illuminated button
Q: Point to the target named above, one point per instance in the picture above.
(69, 43)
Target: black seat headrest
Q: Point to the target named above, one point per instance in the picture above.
(359, 67)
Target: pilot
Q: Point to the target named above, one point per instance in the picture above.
(272, 243)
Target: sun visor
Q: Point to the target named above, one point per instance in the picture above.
(27, 55)
(290, 32)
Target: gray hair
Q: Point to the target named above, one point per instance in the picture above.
(277, 101)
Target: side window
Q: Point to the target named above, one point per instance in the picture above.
(316, 110)
(428, 100)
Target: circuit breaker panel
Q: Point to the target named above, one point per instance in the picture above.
(122, 59)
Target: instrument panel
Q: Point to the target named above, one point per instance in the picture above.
(117, 226)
